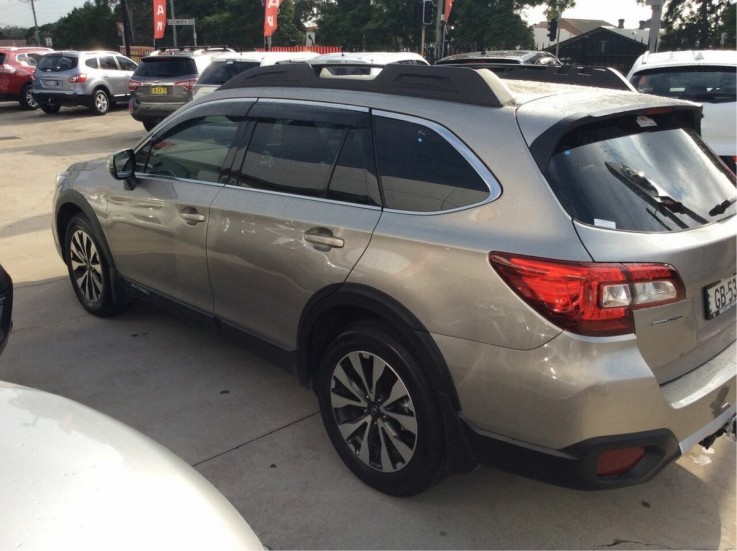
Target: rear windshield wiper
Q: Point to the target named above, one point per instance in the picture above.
(638, 183)
(649, 191)
(723, 206)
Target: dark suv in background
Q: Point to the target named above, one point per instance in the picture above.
(163, 82)
(16, 74)
(94, 79)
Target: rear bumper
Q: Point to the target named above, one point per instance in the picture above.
(578, 466)
(152, 112)
(62, 99)
(550, 413)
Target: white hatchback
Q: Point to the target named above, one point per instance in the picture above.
(708, 77)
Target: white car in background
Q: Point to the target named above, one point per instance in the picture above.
(708, 77)
(224, 67)
(373, 61)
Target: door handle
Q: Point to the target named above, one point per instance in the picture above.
(191, 216)
(323, 237)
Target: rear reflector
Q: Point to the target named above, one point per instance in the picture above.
(621, 461)
(589, 298)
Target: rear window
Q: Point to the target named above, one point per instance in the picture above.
(710, 84)
(57, 63)
(166, 67)
(220, 72)
(640, 174)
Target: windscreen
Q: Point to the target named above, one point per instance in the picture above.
(166, 67)
(57, 63)
(640, 173)
(220, 72)
(701, 83)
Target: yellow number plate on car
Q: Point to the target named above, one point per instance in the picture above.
(159, 90)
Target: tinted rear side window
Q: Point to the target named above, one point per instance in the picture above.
(57, 63)
(160, 67)
(639, 174)
(711, 84)
(221, 72)
(2, 58)
(421, 171)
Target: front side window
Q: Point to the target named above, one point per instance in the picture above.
(710, 84)
(640, 173)
(194, 150)
(421, 171)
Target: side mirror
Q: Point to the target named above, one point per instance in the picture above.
(121, 166)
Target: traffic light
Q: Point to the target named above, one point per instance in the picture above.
(428, 12)
(553, 29)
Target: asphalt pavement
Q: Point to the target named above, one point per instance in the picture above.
(256, 434)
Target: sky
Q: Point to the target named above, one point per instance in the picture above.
(19, 13)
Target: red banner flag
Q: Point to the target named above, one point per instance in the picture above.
(448, 6)
(159, 18)
(271, 11)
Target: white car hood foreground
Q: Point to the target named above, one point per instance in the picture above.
(74, 479)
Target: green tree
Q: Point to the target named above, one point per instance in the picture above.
(691, 24)
(90, 27)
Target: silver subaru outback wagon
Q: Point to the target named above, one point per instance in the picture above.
(466, 270)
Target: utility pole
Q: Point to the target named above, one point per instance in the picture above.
(35, 23)
(173, 16)
(657, 7)
(126, 28)
(439, 18)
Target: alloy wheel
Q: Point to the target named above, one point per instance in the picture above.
(86, 266)
(374, 411)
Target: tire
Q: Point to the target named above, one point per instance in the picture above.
(89, 270)
(50, 109)
(149, 126)
(379, 410)
(100, 103)
(26, 100)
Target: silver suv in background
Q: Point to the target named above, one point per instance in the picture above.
(164, 81)
(94, 79)
(537, 277)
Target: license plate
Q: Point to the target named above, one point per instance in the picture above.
(720, 296)
(159, 90)
(51, 83)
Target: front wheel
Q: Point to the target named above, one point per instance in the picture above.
(89, 270)
(379, 410)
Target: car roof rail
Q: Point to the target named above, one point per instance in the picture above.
(578, 75)
(446, 83)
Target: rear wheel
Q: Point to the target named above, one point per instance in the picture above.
(89, 270)
(50, 109)
(100, 102)
(26, 100)
(149, 125)
(379, 410)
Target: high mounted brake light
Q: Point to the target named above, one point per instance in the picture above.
(589, 298)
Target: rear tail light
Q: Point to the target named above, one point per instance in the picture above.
(188, 84)
(78, 79)
(589, 298)
(133, 84)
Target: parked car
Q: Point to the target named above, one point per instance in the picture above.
(511, 57)
(6, 307)
(223, 67)
(94, 79)
(536, 276)
(708, 77)
(365, 63)
(164, 81)
(74, 478)
(16, 74)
